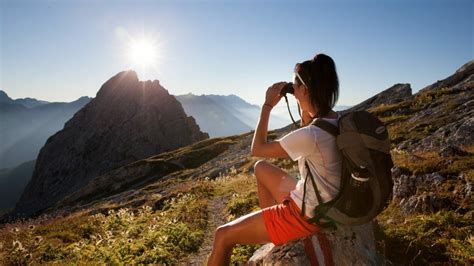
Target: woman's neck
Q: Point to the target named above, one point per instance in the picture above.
(313, 112)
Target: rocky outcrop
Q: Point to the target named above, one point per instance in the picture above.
(457, 79)
(127, 121)
(349, 246)
(445, 110)
(394, 94)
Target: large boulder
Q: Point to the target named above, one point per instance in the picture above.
(350, 245)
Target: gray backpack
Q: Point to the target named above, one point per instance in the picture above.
(366, 181)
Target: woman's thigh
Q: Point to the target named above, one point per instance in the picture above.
(248, 229)
(275, 180)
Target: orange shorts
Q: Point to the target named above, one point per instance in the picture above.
(284, 222)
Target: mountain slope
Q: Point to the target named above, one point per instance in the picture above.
(164, 208)
(12, 183)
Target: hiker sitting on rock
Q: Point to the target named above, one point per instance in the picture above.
(316, 89)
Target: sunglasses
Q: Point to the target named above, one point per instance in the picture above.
(301, 69)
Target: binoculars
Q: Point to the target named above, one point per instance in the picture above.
(287, 89)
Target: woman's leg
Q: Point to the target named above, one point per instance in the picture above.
(273, 184)
(248, 229)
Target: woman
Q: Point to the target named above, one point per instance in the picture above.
(316, 89)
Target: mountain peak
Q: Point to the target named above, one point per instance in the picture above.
(125, 82)
(4, 98)
(128, 120)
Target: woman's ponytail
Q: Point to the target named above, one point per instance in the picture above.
(324, 85)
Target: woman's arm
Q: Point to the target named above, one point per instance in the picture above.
(260, 146)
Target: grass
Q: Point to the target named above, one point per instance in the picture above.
(123, 236)
(421, 239)
(428, 162)
(243, 200)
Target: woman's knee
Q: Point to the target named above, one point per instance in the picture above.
(259, 166)
(222, 236)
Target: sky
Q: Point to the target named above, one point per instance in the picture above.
(62, 50)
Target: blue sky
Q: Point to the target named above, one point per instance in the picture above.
(61, 50)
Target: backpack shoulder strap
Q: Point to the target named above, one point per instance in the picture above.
(326, 126)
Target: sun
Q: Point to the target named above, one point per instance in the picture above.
(142, 53)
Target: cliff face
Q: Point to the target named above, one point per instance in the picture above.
(127, 121)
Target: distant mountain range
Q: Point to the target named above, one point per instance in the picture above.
(27, 123)
(225, 115)
(26, 102)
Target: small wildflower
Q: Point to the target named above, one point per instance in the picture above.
(129, 240)
(15, 230)
(38, 239)
(17, 244)
(28, 256)
(31, 227)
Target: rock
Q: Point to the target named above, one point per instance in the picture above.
(462, 73)
(428, 202)
(404, 186)
(434, 178)
(127, 121)
(396, 93)
(349, 245)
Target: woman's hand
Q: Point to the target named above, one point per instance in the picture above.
(273, 93)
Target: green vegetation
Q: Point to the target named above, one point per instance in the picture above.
(242, 189)
(141, 235)
(428, 162)
(421, 239)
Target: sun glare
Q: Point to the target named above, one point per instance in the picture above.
(142, 53)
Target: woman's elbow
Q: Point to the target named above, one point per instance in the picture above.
(253, 150)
